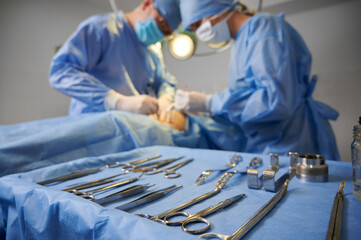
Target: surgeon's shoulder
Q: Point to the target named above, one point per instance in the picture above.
(266, 24)
(98, 22)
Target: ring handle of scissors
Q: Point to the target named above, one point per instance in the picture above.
(152, 171)
(88, 196)
(171, 174)
(113, 165)
(175, 214)
(193, 220)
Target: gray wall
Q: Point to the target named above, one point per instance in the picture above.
(30, 31)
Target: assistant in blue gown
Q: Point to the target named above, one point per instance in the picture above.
(103, 54)
(269, 92)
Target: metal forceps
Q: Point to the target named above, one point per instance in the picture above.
(132, 164)
(150, 197)
(198, 217)
(253, 220)
(334, 226)
(88, 172)
(93, 183)
(89, 194)
(160, 217)
(231, 163)
(170, 172)
(152, 165)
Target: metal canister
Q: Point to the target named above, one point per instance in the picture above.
(312, 168)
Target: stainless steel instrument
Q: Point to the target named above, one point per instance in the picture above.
(231, 163)
(253, 220)
(160, 217)
(198, 217)
(334, 226)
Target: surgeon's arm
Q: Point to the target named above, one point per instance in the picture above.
(70, 66)
(268, 91)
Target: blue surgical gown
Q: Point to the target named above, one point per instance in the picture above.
(103, 54)
(269, 92)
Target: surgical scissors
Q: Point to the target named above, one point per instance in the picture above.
(152, 165)
(231, 163)
(198, 217)
(170, 172)
(160, 217)
(150, 197)
(89, 194)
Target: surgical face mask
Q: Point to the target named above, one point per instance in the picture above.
(214, 34)
(148, 32)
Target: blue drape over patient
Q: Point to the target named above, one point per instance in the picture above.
(32, 145)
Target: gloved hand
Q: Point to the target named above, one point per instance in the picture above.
(192, 101)
(164, 107)
(142, 104)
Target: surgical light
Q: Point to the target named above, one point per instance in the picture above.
(182, 46)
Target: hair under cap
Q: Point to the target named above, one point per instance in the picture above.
(170, 10)
(195, 10)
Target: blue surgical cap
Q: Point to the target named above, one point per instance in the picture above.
(195, 10)
(170, 10)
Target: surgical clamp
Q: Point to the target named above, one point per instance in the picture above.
(198, 217)
(150, 197)
(253, 164)
(159, 217)
(253, 220)
(231, 163)
(170, 172)
(334, 226)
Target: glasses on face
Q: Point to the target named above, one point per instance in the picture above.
(162, 23)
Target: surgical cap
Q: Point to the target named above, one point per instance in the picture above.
(170, 10)
(195, 10)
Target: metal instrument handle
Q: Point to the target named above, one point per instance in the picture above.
(171, 174)
(254, 219)
(162, 215)
(194, 220)
(334, 225)
(118, 164)
(69, 176)
(223, 180)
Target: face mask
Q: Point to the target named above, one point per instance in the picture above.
(148, 32)
(214, 34)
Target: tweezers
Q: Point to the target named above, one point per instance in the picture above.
(334, 226)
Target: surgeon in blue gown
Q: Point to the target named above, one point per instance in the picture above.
(269, 92)
(112, 63)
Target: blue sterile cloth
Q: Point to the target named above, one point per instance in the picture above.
(31, 211)
(32, 145)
